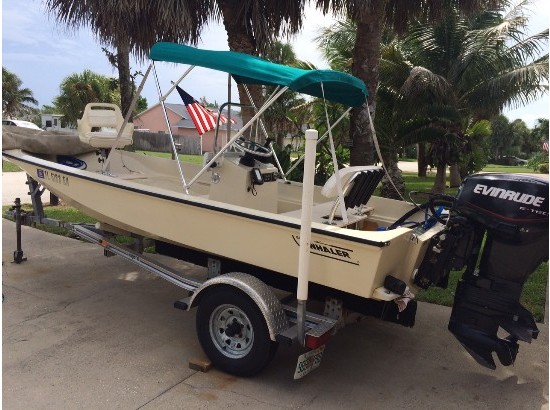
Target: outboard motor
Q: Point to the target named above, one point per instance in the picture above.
(499, 231)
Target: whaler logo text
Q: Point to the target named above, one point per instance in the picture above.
(329, 251)
(509, 195)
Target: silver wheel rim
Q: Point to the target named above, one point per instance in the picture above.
(231, 331)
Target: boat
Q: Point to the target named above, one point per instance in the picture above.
(240, 215)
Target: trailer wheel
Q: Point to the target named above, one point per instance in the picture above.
(232, 331)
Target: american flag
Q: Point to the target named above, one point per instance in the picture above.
(223, 118)
(545, 145)
(203, 118)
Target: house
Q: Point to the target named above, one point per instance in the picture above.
(53, 122)
(152, 120)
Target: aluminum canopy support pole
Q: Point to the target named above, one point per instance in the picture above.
(173, 144)
(174, 85)
(127, 117)
(228, 127)
(237, 135)
(265, 133)
(341, 201)
(305, 231)
(299, 161)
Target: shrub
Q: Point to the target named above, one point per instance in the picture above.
(543, 168)
(538, 159)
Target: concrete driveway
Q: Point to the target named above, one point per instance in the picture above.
(13, 186)
(84, 331)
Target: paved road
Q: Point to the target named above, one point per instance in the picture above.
(84, 331)
(413, 167)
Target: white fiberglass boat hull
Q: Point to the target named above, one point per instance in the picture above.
(353, 261)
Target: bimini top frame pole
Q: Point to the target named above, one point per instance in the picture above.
(299, 161)
(237, 135)
(172, 143)
(127, 117)
(282, 172)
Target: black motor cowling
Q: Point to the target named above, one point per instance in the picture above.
(510, 213)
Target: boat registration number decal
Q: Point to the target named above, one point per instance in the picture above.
(329, 251)
(52, 176)
(308, 362)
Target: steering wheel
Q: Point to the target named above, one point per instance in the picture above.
(428, 208)
(253, 148)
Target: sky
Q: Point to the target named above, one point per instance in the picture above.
(43, 53)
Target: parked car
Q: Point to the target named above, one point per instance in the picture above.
(20, 123)
(508, 160)
(511, 160)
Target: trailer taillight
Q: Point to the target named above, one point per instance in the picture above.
(315, 341)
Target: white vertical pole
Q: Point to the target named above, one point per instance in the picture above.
(305, 230)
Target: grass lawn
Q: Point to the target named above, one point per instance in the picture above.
(9, 167)
(415, 183)
(508, 169)
(194, 159)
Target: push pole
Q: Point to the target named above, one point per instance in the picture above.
(305, 231)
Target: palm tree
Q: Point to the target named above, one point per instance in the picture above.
(444, 76)
(252, 26)
(131, 27)
(474, 67)
(134, 26)
(14, 98)
(371, 18)
(77, 90)
(282, 117)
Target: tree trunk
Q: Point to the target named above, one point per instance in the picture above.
(454, 176)
(440, 179)
(241, 39)
(124, 80)
(387, 190)
(366, 58)
(463, 173)
(421, 158)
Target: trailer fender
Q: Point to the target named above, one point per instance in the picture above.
(258, 291)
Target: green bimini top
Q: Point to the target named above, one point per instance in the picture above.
(246, 69)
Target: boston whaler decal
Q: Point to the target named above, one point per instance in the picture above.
(329, 251)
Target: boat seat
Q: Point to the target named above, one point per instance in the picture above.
(100, 124)
(358, 185)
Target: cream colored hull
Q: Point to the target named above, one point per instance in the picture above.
(353, 261)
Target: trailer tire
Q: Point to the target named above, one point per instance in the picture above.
(232, 331)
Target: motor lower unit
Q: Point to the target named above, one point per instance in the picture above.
(498, 231)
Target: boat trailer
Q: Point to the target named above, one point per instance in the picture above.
(281, 318)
